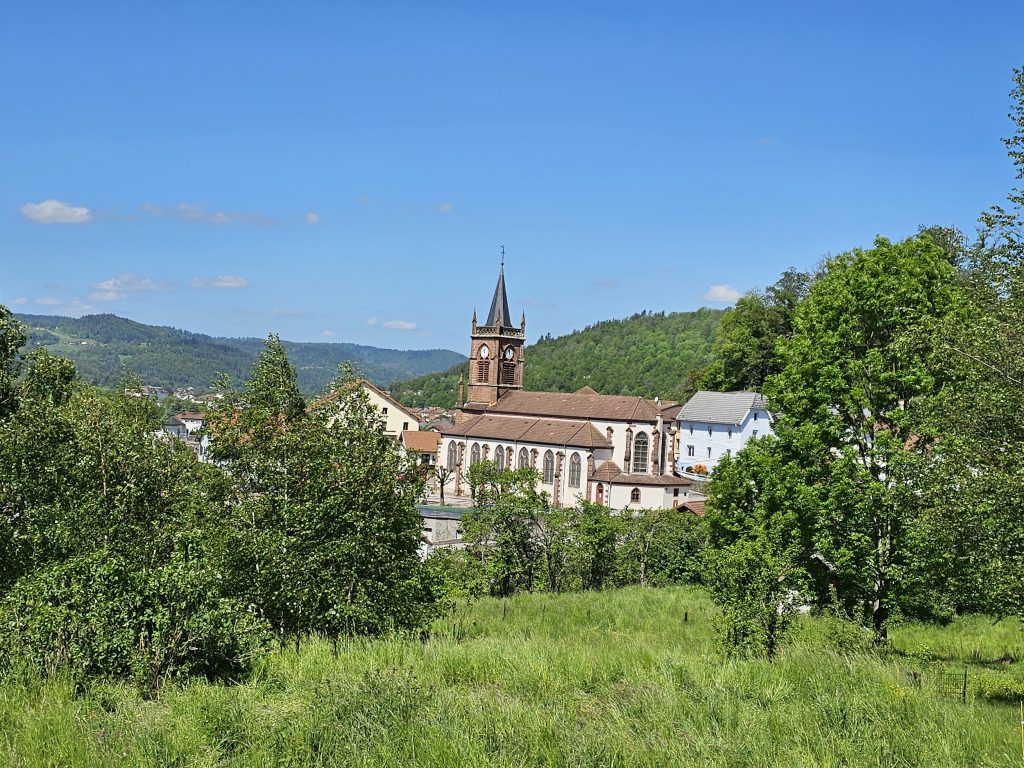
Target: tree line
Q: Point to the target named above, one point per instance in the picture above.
(121, 555)
(894, 485)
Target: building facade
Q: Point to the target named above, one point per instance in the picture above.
(713, 425)
(609, 449)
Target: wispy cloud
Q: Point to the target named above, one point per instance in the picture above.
(721, 293)
(311, 217)
(20, 300)
(608, 282)
(394, 325)
(200, 212)
(399, 325)
(127, 282)
(766, 142)
(445, 208)
(48, 301)
(221, 281)
(327, 333)
(55, 212)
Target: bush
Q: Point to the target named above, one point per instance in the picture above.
(97, 615)
(458, 573)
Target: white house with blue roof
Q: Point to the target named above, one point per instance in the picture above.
(717, 424)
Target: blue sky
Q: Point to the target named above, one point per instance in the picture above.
(334, 171)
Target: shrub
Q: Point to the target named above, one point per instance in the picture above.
(96, 615)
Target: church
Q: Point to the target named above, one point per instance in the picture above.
(610, 449)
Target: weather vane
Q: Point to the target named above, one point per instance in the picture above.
(503, 257)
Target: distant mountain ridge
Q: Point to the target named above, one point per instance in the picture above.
(649, 354)
(104, 346)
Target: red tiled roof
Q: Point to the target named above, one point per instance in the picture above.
(424, 442)
(579, 434)
(577, 405)
(697, 507)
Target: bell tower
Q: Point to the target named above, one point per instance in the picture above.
(495, 351)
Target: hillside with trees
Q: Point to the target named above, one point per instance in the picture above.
(650, 354)
(104, 347)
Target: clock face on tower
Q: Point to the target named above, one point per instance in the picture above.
(509, 353)
(484, 352)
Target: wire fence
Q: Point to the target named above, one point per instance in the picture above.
(941, 681)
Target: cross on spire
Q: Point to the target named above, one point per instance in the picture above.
(503, 257)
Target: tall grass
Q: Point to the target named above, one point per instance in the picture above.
(630, 677)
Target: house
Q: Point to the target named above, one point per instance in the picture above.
(424, 443)
(193, 421)
(609, 449)
(716, 424)
(397, 418)
(442, 528)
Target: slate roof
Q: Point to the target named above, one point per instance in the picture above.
(499, 314)
(578, 405)
(721, 407)
(579, 434)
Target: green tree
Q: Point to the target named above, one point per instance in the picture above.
(324, 533)
(745, 342)
(505, 529)
(858, 377)
(658, 547)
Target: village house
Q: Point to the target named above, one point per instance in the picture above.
(713, 425)
(397, 418)
(609, 449)
(423, 443)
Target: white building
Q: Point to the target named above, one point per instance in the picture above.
(717, 424)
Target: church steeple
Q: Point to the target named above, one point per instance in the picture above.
(499, 314)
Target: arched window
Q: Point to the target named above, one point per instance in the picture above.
(474, 455)
(634, 496)
(499, 458)
(574, 470)
(549, 467)
(640, 452)
(524, 458)
(453, 455)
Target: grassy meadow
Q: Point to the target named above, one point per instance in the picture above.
(620, 678)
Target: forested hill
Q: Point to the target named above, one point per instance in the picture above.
(103, 347)
(649, 354)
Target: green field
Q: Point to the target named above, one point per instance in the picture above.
(629, 677)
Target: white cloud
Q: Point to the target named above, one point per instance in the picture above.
(106, 295)
(399, 325)
(200, 212)
(221, 281)
(55, 212)
(20, 300)
(311, 218)
(49, 301)
(445, 208)
(327, 332)
(373, 321)
(118, 287)
(721, 293)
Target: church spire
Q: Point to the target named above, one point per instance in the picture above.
(499, 314)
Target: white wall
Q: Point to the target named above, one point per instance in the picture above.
(396, 419)
(720, 441)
